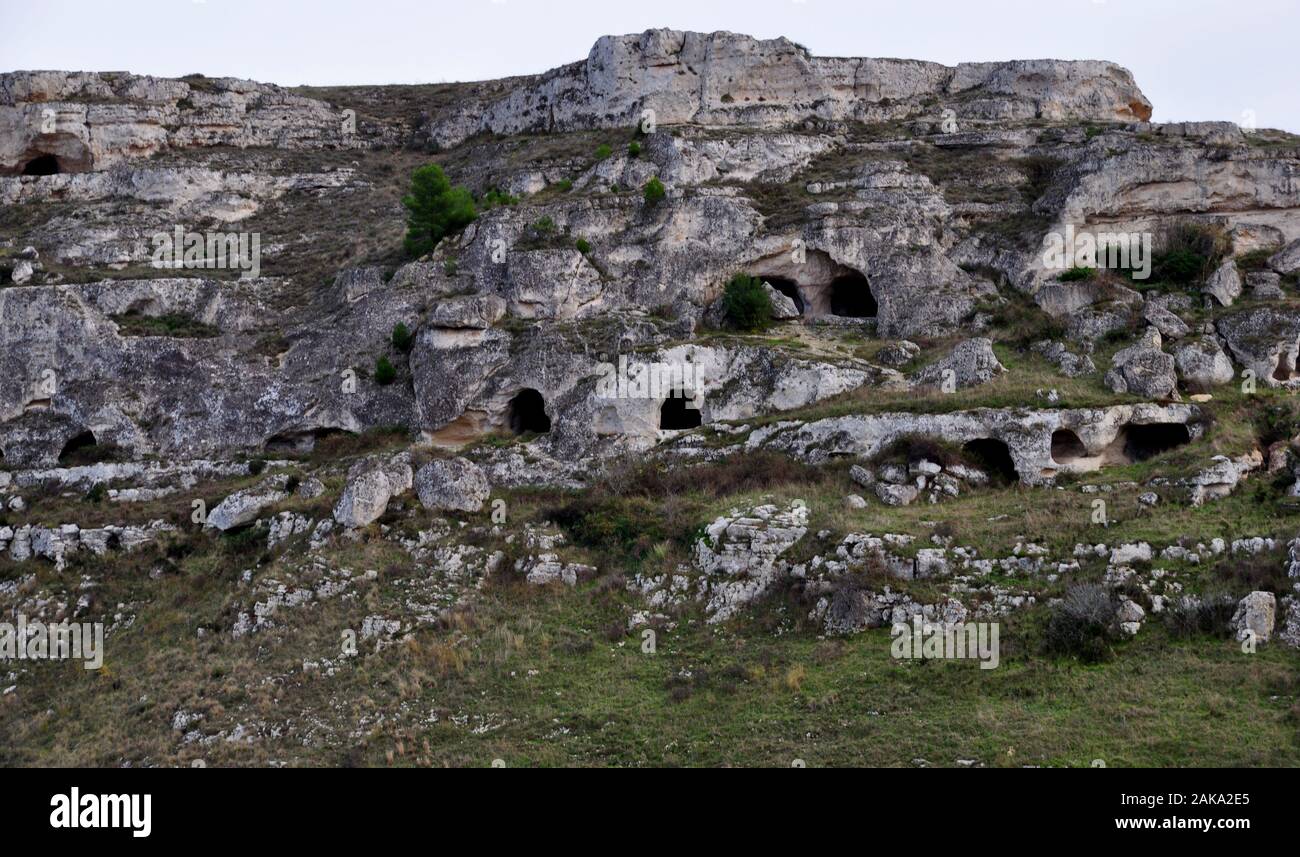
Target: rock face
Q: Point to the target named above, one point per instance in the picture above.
(87, 121)
(728, 79)
(456, 485)
(1143, 371)
(1202, 365)
(970, 364)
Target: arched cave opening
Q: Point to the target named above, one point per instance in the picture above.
(789, 288)
(526, 413)
(851, 297)
(676, 414)
(80, 449)
(42, 165)
(994, 457)
(1147, 441)
(1067, 447)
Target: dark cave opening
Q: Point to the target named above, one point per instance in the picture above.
(42, 165)
(526, 413)
(1067, 447)
(789, 288)
(994, 457)
(851, 297)
(676, 414)
(1147, 441)
(79, 450)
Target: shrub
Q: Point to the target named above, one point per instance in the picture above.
(1188, 252)
(450, 267)
(385, 373)
(634, 149)
(603, 151)
(746, 303)
(1077, 273)
(96, 493)
(403, 339)
(495, 197)
(654, 191)
(434, 209)
(256, 466)
(1211, 615)
(583, 245)
(563, 185)
(1080, 625)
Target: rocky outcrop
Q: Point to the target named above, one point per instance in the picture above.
(725, 79)
(89, 120)
(1265, 340)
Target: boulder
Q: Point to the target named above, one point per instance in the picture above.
(243, 507)
(1287, 260)
(1202, 365)
(1255, 617)
(783, 308)
(452, 485)
(1224, 285)
(970, 364)
(1143, 371)
(371, 483)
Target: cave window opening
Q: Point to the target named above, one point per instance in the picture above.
(851, 297)
(1147, 441)
(678, 414)
(79, 450)
(1067, 447)
(789, 288)
(43, 165)
(527, 413)
(994, 457)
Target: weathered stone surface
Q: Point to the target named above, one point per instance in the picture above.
(371, 483)
(1224, 285)
(1202, 365)
(455, 484)
(1143, 371)
(243, 507)
(1255, 617)
(728, 79)
(970, 364)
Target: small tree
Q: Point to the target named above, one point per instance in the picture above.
(403, 340)
(385, 373)
(746, 303)
(434, 209)
(654, 191)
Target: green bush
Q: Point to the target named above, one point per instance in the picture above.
(1210, 615)
(256, 466)
(495, 197)
(385, 373)
(654, 191)
(746, 303)
(450, 267)
(1077, 273)
(563, 185)
(603, 151)
(403, 339)
(634, 149)
(583, 245)
(434, 209)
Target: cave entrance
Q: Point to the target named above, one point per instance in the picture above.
(851, 297)
(994, 457)
(789, 288)
(42, 165)
(79, 450)
(1066, 447)
(526, 413)
(303, 442)
(676, 415)
(1149, 440)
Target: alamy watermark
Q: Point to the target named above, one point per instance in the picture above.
(1129, 251)
(672, 379)
(229, 251)
(58, 641)
(921, 640)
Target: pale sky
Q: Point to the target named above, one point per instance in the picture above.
(1194, 59)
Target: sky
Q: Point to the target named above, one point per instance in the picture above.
(1233, 60)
